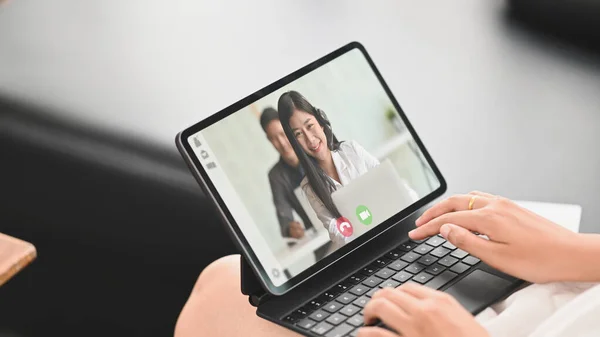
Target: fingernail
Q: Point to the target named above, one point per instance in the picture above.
(418, 221)
(445, 231)
(411, 232)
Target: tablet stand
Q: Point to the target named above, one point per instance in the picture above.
(250, 284)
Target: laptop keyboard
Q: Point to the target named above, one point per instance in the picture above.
(337, 312)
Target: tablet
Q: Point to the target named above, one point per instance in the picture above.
(317, 129)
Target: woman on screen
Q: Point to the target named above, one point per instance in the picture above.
(328, 163)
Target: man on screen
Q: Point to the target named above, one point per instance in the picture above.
(284, 177)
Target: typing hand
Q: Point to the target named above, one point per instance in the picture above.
(417, 311)
(296, 230)
(521, 243)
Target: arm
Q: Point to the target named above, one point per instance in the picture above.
(328, 220)
(584, 252)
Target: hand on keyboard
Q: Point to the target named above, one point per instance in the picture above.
(417, 311)
(521, 243)
(339, 310)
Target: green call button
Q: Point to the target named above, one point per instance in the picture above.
(364, 215)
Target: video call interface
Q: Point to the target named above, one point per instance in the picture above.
(314, 165)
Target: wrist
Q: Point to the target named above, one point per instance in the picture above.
(582, 253)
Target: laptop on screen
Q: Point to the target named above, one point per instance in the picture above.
(373, 197)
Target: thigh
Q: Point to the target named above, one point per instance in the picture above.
(217, 307)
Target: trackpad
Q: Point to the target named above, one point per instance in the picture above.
(478, 290)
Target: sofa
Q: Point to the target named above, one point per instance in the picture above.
(121, 227)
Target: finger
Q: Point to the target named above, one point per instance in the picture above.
(418, 291)
(471, 220)
(453, 204)
(482, 194)
(371, 331)
(469, 242)
(386, 311)
(403, 300)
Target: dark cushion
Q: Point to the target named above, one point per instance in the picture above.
(122, 230)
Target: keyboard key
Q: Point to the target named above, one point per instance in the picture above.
(460, 268)
(290, 319)
(447, 261)
(471, 260)
(435, 269)
(335, 291)
(397, 265)
(423, 249)
(407, 246)
(361, 301)
(340, 331)
(441, 280)
(410, 257)
(360, 277)
(356, 320)
(422, 277)
(402, 276)
(414, 268)
(336, 319)
(301, 313)
(459, 253)
(306, 323)
(372, 281)
(427, 260)
(371, 292)
(322, 328)
(359, 290)
(394, 254)
(328, 295)
(449, 245)
(344, 286)
(350, 310)
(317, 302)
(440, 252)
(345, 298)
(435, 241)
(318, 315)
(385, 273)
(381, 262)
(332, 307)
(355, 279)
(368, 271)
(354, 333)
(389, 284)
(324, 298)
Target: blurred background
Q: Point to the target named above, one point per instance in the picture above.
(504, 94)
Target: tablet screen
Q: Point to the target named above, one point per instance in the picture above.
(310, 165)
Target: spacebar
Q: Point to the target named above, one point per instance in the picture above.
(440, 280)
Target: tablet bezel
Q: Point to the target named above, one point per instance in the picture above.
(201, 175)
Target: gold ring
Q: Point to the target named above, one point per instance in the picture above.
(471, 202)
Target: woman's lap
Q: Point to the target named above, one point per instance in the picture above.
(216, 306)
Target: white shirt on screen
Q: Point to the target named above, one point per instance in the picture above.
(351, 161)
